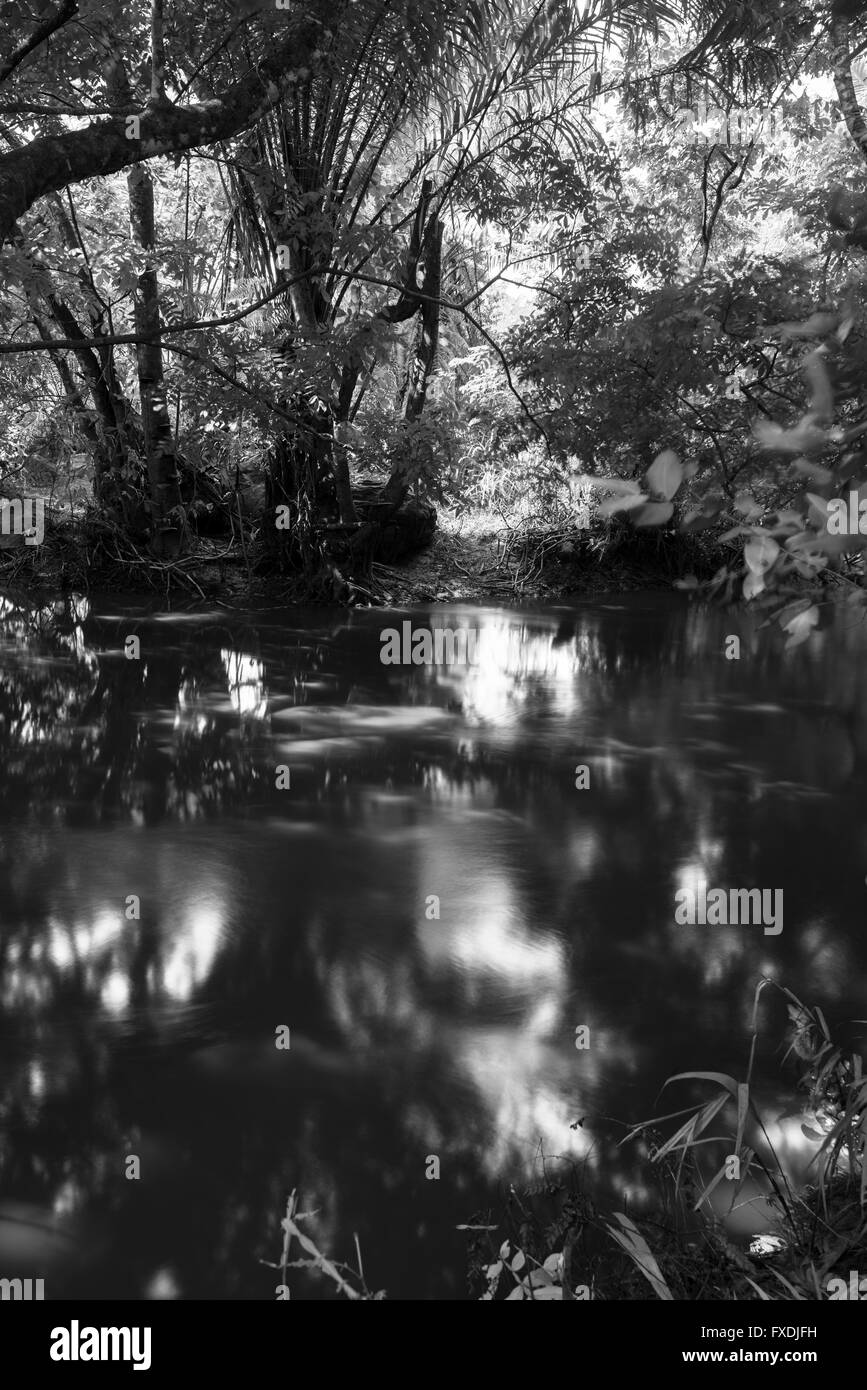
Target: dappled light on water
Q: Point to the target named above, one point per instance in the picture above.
(435, 903)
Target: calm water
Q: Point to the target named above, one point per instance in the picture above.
(309, 908)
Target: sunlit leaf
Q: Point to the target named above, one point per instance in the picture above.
(754, 585)
(800, 626)
(747, 506)
(760, 553)
(665, 474)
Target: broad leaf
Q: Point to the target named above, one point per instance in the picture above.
(665, 474)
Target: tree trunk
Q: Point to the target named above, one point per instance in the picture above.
(423, 358)
(116, 412)
(841, 64)
(301, 474)
(427, 243)
(167, 530)
(111, 459)
(74, 399)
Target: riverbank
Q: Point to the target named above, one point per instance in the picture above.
(472, 557)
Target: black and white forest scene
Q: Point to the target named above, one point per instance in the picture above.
(433, 666)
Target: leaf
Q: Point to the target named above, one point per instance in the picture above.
(682, 1139)
(802, 438)
(665, 474)
(734, 532)
(754, 585)
(816, 374)
(698, 520)
(802, 540)
(791, 610)
(811, 1133)
(800, 626)
(839, 545)
(621, 504)
(710, 1112)
(654, 514)
(715, 1180)
(747, 506)
(632, 1241)
(816, 326)
(760, 553)
(785, 519)
(765, 1297)
(743, 1106)
(813, 470)
(819, 506)
(788, 1285)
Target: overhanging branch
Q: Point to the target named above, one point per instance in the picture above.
(66, 11)
(52, 162)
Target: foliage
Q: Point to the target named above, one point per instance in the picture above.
(313, 1260)
(681, 1249)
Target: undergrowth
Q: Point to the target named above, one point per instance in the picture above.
(560, 1243)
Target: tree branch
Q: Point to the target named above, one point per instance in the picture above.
(187, 326)
(158, 55)
(67, 11)
(52, 162)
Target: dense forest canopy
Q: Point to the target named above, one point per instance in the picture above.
(290, 272)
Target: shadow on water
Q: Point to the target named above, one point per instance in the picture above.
(418, 1027)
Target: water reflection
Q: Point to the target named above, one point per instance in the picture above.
(432, 906)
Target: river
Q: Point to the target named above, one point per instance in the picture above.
(429, 905)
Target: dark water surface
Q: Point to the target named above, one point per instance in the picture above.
(410, 1036)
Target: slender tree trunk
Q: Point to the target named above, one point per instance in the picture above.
(97, 367)
(117, 416)
(301, 469)
(167, 529)
(423, 357)
(427, 243)
(110, 461)
(74, 398)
